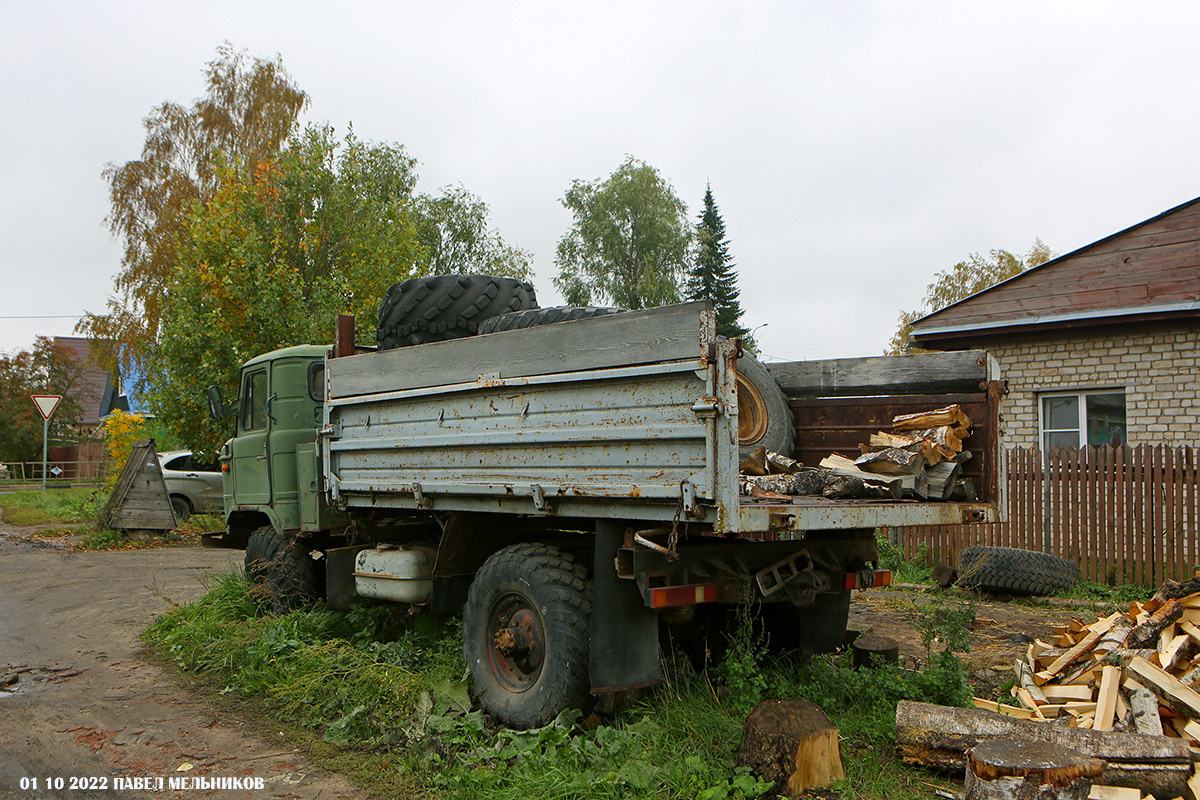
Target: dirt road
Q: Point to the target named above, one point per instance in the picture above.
(87, 709)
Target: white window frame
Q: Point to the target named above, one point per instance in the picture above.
(1081, 422)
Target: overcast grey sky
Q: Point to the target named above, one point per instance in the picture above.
(854, 148)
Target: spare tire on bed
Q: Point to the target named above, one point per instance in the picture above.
(1006, 569)
(442, 307)
(764, 416)
(543, 316)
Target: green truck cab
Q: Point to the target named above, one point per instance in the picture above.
(271, 468)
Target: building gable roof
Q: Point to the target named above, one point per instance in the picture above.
(1150, 270)
(95, 391)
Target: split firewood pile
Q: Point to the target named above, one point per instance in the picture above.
(920, 458)
(1124, 689)
(1134, 671)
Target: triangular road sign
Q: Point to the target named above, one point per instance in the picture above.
(46, 403)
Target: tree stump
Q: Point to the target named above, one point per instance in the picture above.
(1019, 769)
(869, 650)
(792, 743)
(944, 576)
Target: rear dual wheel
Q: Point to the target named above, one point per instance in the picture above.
(527, 634)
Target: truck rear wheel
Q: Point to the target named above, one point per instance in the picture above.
(526, 634)
(442, 307)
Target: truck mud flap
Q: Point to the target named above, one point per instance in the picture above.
(624, 653)
(339, 576)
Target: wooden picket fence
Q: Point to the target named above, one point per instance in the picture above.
(1124, 514)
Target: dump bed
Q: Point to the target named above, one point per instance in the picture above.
(630, 416)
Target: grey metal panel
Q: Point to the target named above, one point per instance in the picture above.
(835, 515)
(620, 433)
(925, 373)
(671, 333)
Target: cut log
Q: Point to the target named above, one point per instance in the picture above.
(942, 479)
(1170, 689)
(892, 461)
(964, 491)
(841, 465)
(944, 575)
(792, 743)
(950, 416)
(1099, 792)
(1146, 633)
(1026, 682)
(841, 485)
(868, 651)
(939, 736)
(1094, 635)
(1144, 706)
(1106, 698)
(1015, 769)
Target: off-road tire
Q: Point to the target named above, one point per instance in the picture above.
(543, 316)
(283, 569)
(181, 508)
(764, 417)
(1005, 569)
(548, 589)
(259, 549)
(442, 307)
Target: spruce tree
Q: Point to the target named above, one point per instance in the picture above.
(712, 276)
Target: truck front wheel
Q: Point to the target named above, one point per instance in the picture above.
(526, 634)
(282, 568)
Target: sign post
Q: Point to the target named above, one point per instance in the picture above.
(46, 404)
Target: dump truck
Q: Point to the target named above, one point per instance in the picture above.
(573, 489)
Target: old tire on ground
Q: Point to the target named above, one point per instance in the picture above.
(543, 316)
(181, 508)
(526, 634)
(1006, 569)
(764, 417)
(283, 568)
(442, 307)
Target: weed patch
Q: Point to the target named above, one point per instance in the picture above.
(32, 507)
(373, 687)
(891, 557)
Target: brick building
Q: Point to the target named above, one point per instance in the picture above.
(1099, 346)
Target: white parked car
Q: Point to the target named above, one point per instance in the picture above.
(194, 483)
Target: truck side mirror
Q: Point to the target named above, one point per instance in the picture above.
(216, 404)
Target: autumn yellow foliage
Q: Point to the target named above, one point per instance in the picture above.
(122, 429)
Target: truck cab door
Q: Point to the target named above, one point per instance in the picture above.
(248, 450)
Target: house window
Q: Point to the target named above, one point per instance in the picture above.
(1083, 418)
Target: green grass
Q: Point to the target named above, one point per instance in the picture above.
(903, 570)
(384, 698)
(1122, 594)
(32, 507)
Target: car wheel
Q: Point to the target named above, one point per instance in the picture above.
(526, 634)
(181, 508)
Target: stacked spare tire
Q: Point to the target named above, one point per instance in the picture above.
(442, 307)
